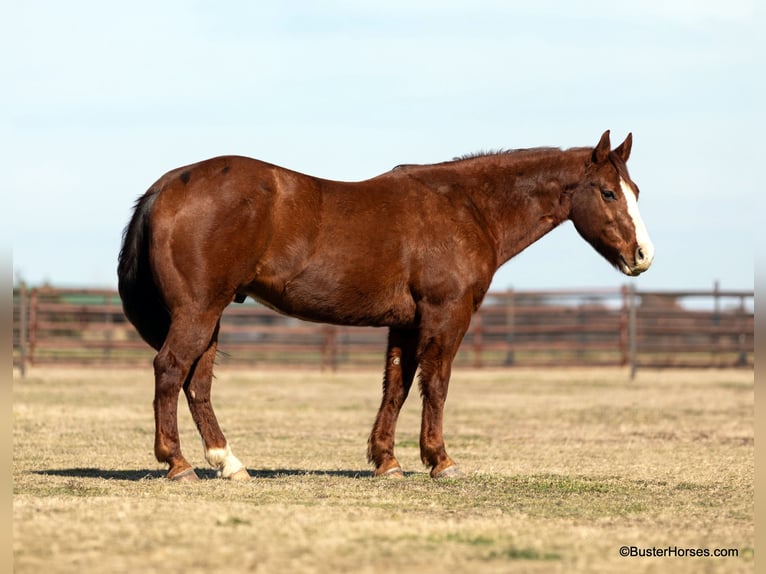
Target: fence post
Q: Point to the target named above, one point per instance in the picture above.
(477, 340)
(510, 320)
(23, 328)
(108, 335)
(32, 326)
(742, 358)
(330, 347)
(716, 320)
(624, 326)
(632, 331)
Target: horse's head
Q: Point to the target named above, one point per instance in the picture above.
(604, 209)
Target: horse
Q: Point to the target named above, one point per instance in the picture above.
(413, 249)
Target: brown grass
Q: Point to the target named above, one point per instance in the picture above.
(564, 467)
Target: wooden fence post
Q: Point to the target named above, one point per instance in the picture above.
(632, 331)
(716, 320)
(477, 340)
(23, 328)
(742, 359)
(510, 322)
(32, 326)
(330, 347)
(624, 338)
(108, 333)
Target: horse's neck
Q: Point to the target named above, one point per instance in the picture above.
(523, 203)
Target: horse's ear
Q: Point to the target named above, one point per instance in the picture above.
(623, 150)
(601, 151)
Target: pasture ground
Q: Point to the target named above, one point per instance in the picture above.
(564, 467)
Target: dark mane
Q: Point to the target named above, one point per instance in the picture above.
(534, 151)
(488, 153)
(481, 153)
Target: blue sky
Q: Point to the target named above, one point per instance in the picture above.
(101, 99)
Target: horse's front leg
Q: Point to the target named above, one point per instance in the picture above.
(436, 352)
(197, 389)
(401, 364)
(434, 384)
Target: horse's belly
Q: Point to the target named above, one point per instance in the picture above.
(346, 303)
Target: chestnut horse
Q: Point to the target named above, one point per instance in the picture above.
(413, 249)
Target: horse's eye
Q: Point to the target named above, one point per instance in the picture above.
(608, 195)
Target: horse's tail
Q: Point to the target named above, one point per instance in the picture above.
(141, 300)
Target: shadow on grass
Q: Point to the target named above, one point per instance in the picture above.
(136, 475)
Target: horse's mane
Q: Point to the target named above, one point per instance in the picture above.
(519, 152)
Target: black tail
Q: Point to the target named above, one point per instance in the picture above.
(141, 300)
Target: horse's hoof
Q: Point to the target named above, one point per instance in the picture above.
(187, 475)
(240, 476)
(450, 472)
(395, 472)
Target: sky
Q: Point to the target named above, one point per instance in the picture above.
(100, 99)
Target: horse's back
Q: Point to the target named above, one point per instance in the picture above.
(384, 245)
(339, 252)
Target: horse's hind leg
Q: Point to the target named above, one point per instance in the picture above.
(401, 364)
(188, 339)
(197, 390)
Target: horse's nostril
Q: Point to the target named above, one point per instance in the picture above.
(639, 254)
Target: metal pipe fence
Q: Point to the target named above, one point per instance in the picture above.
(627, 327)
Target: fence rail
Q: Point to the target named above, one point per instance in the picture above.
(512, 328)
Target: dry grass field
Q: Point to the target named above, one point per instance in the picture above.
(564, 467)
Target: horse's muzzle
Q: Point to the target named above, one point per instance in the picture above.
(642, 260)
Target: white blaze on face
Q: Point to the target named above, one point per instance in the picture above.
(645, 244)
